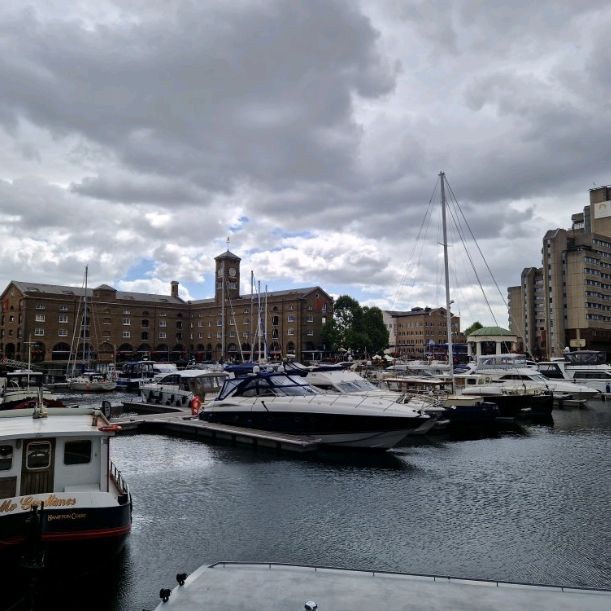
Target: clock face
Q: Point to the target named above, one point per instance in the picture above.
(232, 272)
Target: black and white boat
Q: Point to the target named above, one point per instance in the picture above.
(181, 388)
(56, 473)
(280, 402)
(134, 374)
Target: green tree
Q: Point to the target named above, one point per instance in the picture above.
(474, 327)
(375, 329)
(355, 328)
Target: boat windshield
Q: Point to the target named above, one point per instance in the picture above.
(586, 357)
(277, 385)
(354, 386)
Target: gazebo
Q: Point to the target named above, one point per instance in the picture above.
(504, 340)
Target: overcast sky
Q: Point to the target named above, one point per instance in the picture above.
(137, 135)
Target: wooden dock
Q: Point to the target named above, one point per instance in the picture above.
(181, 423)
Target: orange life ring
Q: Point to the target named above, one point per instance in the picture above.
(195, 405)
(110, 428)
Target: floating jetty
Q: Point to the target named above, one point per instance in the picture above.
(278, 587)
(178, 421)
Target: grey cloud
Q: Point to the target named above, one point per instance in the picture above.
(210, 94)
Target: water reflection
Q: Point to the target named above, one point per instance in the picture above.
(529, 504)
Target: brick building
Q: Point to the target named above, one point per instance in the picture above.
(412, 332)
(123, 325)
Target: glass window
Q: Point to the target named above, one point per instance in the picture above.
(6, 457)
(38, 455)
(77, 452)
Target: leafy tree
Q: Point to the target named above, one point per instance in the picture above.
(355, 328)
(474, 327)
(374, 327)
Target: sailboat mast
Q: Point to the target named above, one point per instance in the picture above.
(442, 177)
(85, 337)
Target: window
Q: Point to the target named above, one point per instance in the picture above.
(310, 332)
(62, 332)
(290, 318)
(324, 307)
(40, 306)
(106, 321)
(291, 331)
(162, 314)
(127, 312)
(179, 324)
(219, 322)
(310, 308)
(63, 318)
(127, 322)
(6, 457)
(126, 334)
(145, 322)
(144, 335)
(39, 318)
(162, 335)
(77, 452)
(310, 318)
(231, 333)
(38, 455)
(163, 323)
(179, 336)
(39, 331)
(63, 308)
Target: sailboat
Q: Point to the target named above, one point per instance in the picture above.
(89, 380)
(510, 402)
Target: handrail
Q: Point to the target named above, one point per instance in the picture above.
(117, 478)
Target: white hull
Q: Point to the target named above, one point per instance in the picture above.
(92, 386)
(383, 440)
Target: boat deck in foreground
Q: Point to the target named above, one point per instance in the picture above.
(275, 587)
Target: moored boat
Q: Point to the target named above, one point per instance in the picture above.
(287, 403)
(56, 472)
(20, 389)
(180, 388)
(91, 381)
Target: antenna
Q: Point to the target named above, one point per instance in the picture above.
(228, 243)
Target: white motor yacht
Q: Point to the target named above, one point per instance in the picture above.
(276, 401)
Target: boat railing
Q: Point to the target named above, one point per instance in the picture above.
(117, 478)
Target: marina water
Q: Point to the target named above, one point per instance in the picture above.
(530, 505)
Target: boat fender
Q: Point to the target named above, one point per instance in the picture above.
(181, 578)
(164, 594)
(110, 428)
(195, 405)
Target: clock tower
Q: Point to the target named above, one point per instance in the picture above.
(228, 274)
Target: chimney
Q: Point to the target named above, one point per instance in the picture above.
(174, 289)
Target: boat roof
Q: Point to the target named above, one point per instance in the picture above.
(60, 422)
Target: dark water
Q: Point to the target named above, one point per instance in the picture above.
(529, 506)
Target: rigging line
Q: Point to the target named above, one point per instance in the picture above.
(477, 245)
(483, 258)
(416, 242)
(456, 224)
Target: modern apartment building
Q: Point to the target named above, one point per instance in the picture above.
(412, 332)
(567, 301)
(121, 325)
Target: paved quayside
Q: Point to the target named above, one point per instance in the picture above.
(277, 587)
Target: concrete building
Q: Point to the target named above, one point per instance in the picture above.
(415, 330)
(123, 325)
(567, 301)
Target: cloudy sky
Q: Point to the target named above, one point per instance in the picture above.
(137, 135)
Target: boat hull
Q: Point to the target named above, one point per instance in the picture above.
(350, 431)
(102, 530)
